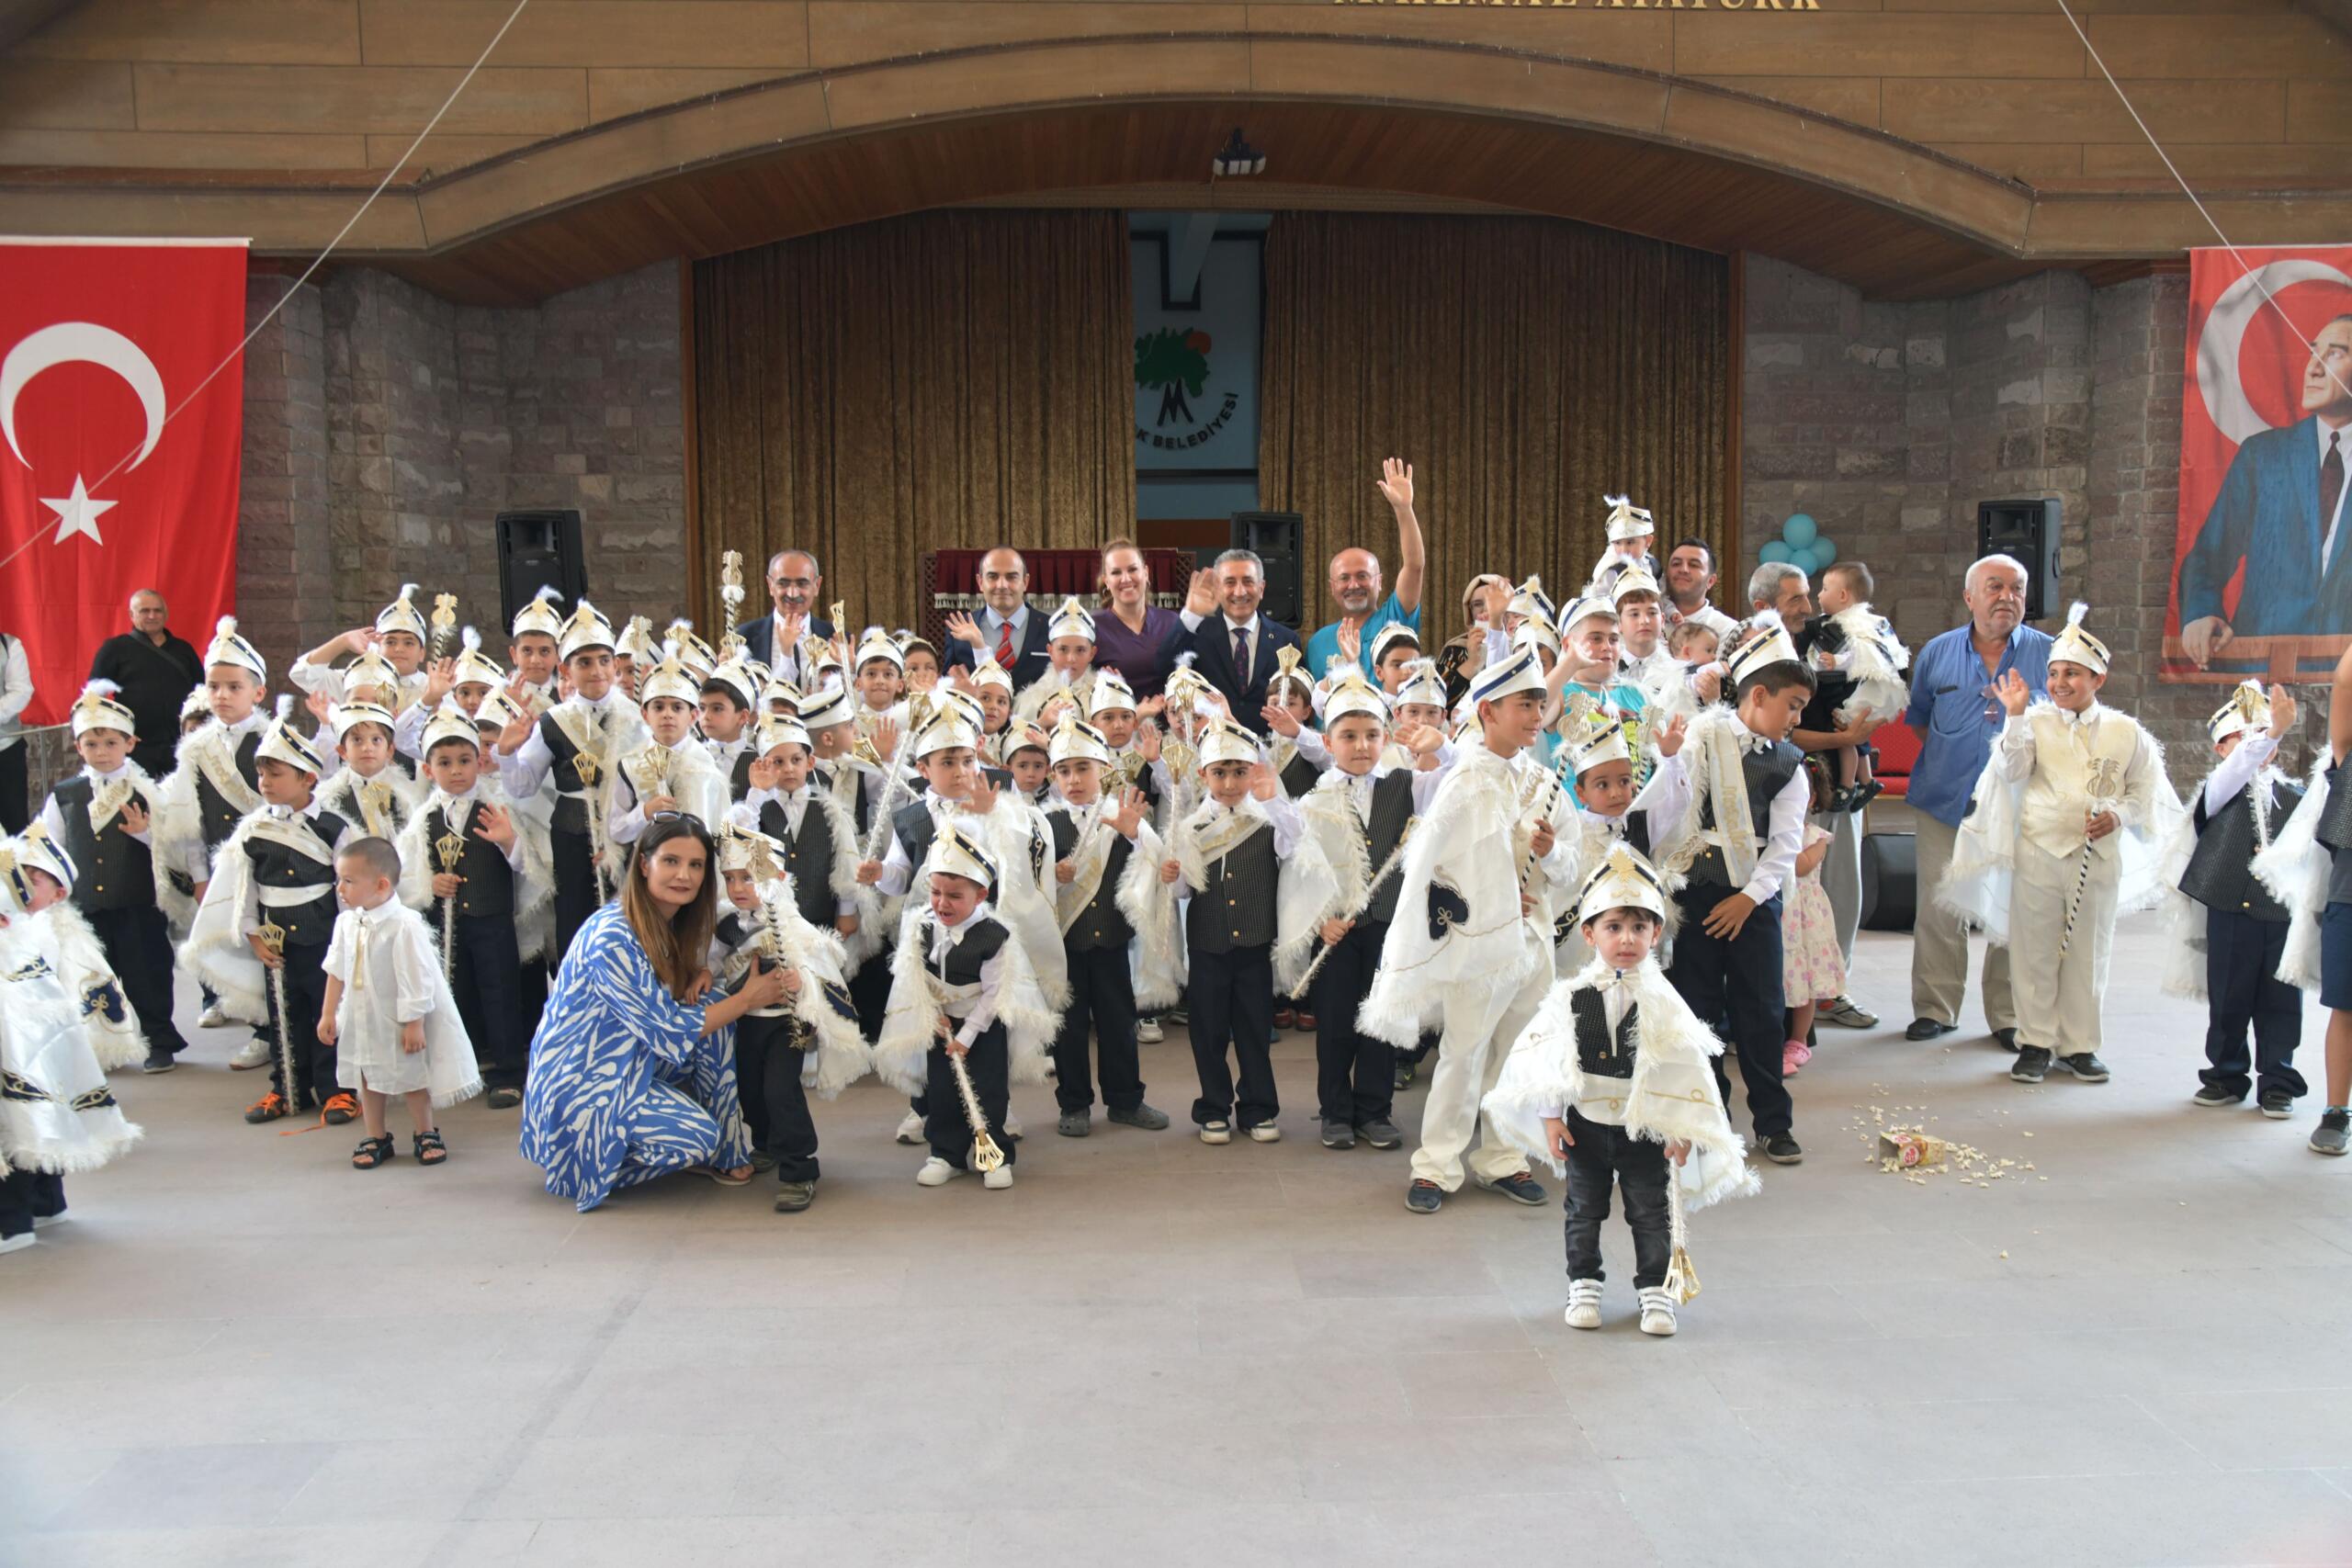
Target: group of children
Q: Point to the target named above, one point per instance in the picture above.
(1560, 873)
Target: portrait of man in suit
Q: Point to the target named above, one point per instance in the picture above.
(794, 581)
(1236, 646)
(2280, 513)
(1006, 628)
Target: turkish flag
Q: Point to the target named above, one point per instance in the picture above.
(119, 460)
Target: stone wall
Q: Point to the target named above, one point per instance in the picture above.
(1890, 423)
(386, 428)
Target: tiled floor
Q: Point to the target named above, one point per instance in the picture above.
(240, 1352)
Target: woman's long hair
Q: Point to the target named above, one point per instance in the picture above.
(1103, 573)
(679, 944)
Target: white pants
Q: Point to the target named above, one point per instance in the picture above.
(1480, 1026)
(2058, 992)
(1939, 945)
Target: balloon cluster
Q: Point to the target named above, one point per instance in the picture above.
(1802, 544)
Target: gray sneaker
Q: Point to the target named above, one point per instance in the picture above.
(795, 1196)
(2213, 1096)
(2085, 1066)
(2335, 1132)
(1338, 1135)
(2032, 1065)
(1142, 1116)
(1846, 1013)
(2276, 1103)
(1075, 1124)
(1381, 1134)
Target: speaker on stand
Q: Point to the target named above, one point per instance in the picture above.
(2027, 530)
(1276, 538)
(536, 548)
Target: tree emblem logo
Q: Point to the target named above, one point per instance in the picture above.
(1177, 362)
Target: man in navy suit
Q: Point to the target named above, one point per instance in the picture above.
(1235, 648)
(794, 581)
(1007, 627)
(2281, 512)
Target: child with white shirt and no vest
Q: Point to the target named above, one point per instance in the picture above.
(1227, 851)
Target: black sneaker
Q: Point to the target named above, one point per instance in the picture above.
(792, 1197)
(1520, 1188)
(502, 1098)
(2006, 1038)
(2213, 1096)
(762, 1162)
(1339, 1135)
(2085, 1066)
(1928, 1029)
(2032, 1065)
(2276, 1103)
(1381, 1134)
(1404, 1075)
(1428, 1197)
(158, 1061)
(1782, 1149)
(2335, 1133)
(1075, 1123)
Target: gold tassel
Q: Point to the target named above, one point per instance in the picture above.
(1680, 1278)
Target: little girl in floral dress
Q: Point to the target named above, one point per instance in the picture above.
(1811, 969)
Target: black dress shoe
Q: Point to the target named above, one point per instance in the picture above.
(1928, 1029)
(502, 1098)
(2007, 1038)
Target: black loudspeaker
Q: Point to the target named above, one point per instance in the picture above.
(2028, 531)
(1275, 536)
(536, 548)
(1890, 881)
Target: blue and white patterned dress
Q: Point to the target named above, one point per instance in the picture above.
(623, 1085)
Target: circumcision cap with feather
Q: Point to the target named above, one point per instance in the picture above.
(1529, 599)
(587, 629)
(879, 644)
(228, 648)
(1592, 735)
(671, 678)
(1352, 694)
(2247, 710)
(1071, 620)
(1226, 741)
(96, 708)
(1505, 678)
(1762, 642)
(539, 615)
(1075, 740)
(402, 614)
(959, 854)
(450, 722)
(1627, 521)
(1624, 881)
(1111, 694)
(1422, 684)
(283, 742)
(947, 731)
(747, 849)
(2075, 643)
(344, 718)
(475, 668)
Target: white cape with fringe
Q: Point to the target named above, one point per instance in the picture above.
(533, 874)
(910, 1026)
(1671, 1095)
(57, 1115)
(840, 1056)
(2296, 868)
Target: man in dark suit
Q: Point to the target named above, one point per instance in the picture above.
(156, 671)
(2281, 512)
(1007, 627)
(1236, 647)
(794, 581)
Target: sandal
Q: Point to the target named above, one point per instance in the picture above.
(430, 1149)
(373, 1152)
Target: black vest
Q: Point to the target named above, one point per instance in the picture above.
(1100, 924)
(982, 940)
(739, 777)
(808, 855)
(2220, 873)
(860, 810)
(488, 891)
(1237, 908)
(216, 818)
(310, 923)
(1768, 773)
(116, 872)
(1599, 1051)
(2335, 832)
(1298, 776)
(914, 828)
(571, 812)
(1391, 813)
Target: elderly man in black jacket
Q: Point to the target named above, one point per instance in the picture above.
(156, 671)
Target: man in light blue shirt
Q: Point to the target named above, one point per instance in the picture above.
(1957, 717)
(1355, 585)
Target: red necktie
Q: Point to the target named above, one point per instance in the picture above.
(1004, 645)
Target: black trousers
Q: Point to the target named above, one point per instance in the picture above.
(16, 808)
(577, 892)
(27, 1196)
(1739, 981)
(1599, 1155)
(2243, 991)
(488, 980)
(533, 998)
(1355, 1075)
(306, 985)
(1232, 997)
(947, 1124)
(137, 944)
(1103, 995)
(768, 1057)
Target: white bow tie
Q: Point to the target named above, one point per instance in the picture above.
(1751, 741)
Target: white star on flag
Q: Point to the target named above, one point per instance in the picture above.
(77, 513)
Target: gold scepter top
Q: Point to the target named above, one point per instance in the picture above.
(445, 623)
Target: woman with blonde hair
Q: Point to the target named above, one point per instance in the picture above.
(631, 1075)
(1138, 638)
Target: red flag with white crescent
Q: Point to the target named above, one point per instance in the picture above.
(116, 472)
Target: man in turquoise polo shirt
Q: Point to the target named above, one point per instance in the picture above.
(1355, 584)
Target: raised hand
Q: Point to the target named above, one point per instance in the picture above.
(518, 729)
(984, 796)
(1263, 783)
(1421, 740)
(1128, 820)
(1350, 641)
(1669, 735)
(440, 680)
(134, 815)
(885, 737)
(2283, 712)
(762, 774)
(965, 629)
(1148, 743)
(494, 824)
(2014, 694)
(1396, 484)
(1278, 718)
(1200, 595)
(320, 708)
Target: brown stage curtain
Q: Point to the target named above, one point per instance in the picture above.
(952, 378)
(1524, 366)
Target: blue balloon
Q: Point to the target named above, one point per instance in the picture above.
(1823, 553)
(1773, 550)
(1800, 530)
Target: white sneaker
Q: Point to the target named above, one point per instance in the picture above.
(1000, 1178)
(1216, 1132)
(43, 1221)
(1265, 1132)
(1148, 1033)
(935, 1172)
(254, 1053)
(212, 1018)
(1658, 1310)
(1584, 1303)
(1012, 1125)
(910, 1129)
(19, 1242)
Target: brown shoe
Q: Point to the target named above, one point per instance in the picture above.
(1284, 1018)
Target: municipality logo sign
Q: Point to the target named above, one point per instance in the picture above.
(1176, 362)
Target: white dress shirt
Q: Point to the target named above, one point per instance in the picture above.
(16, 686)
(2236, 770)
